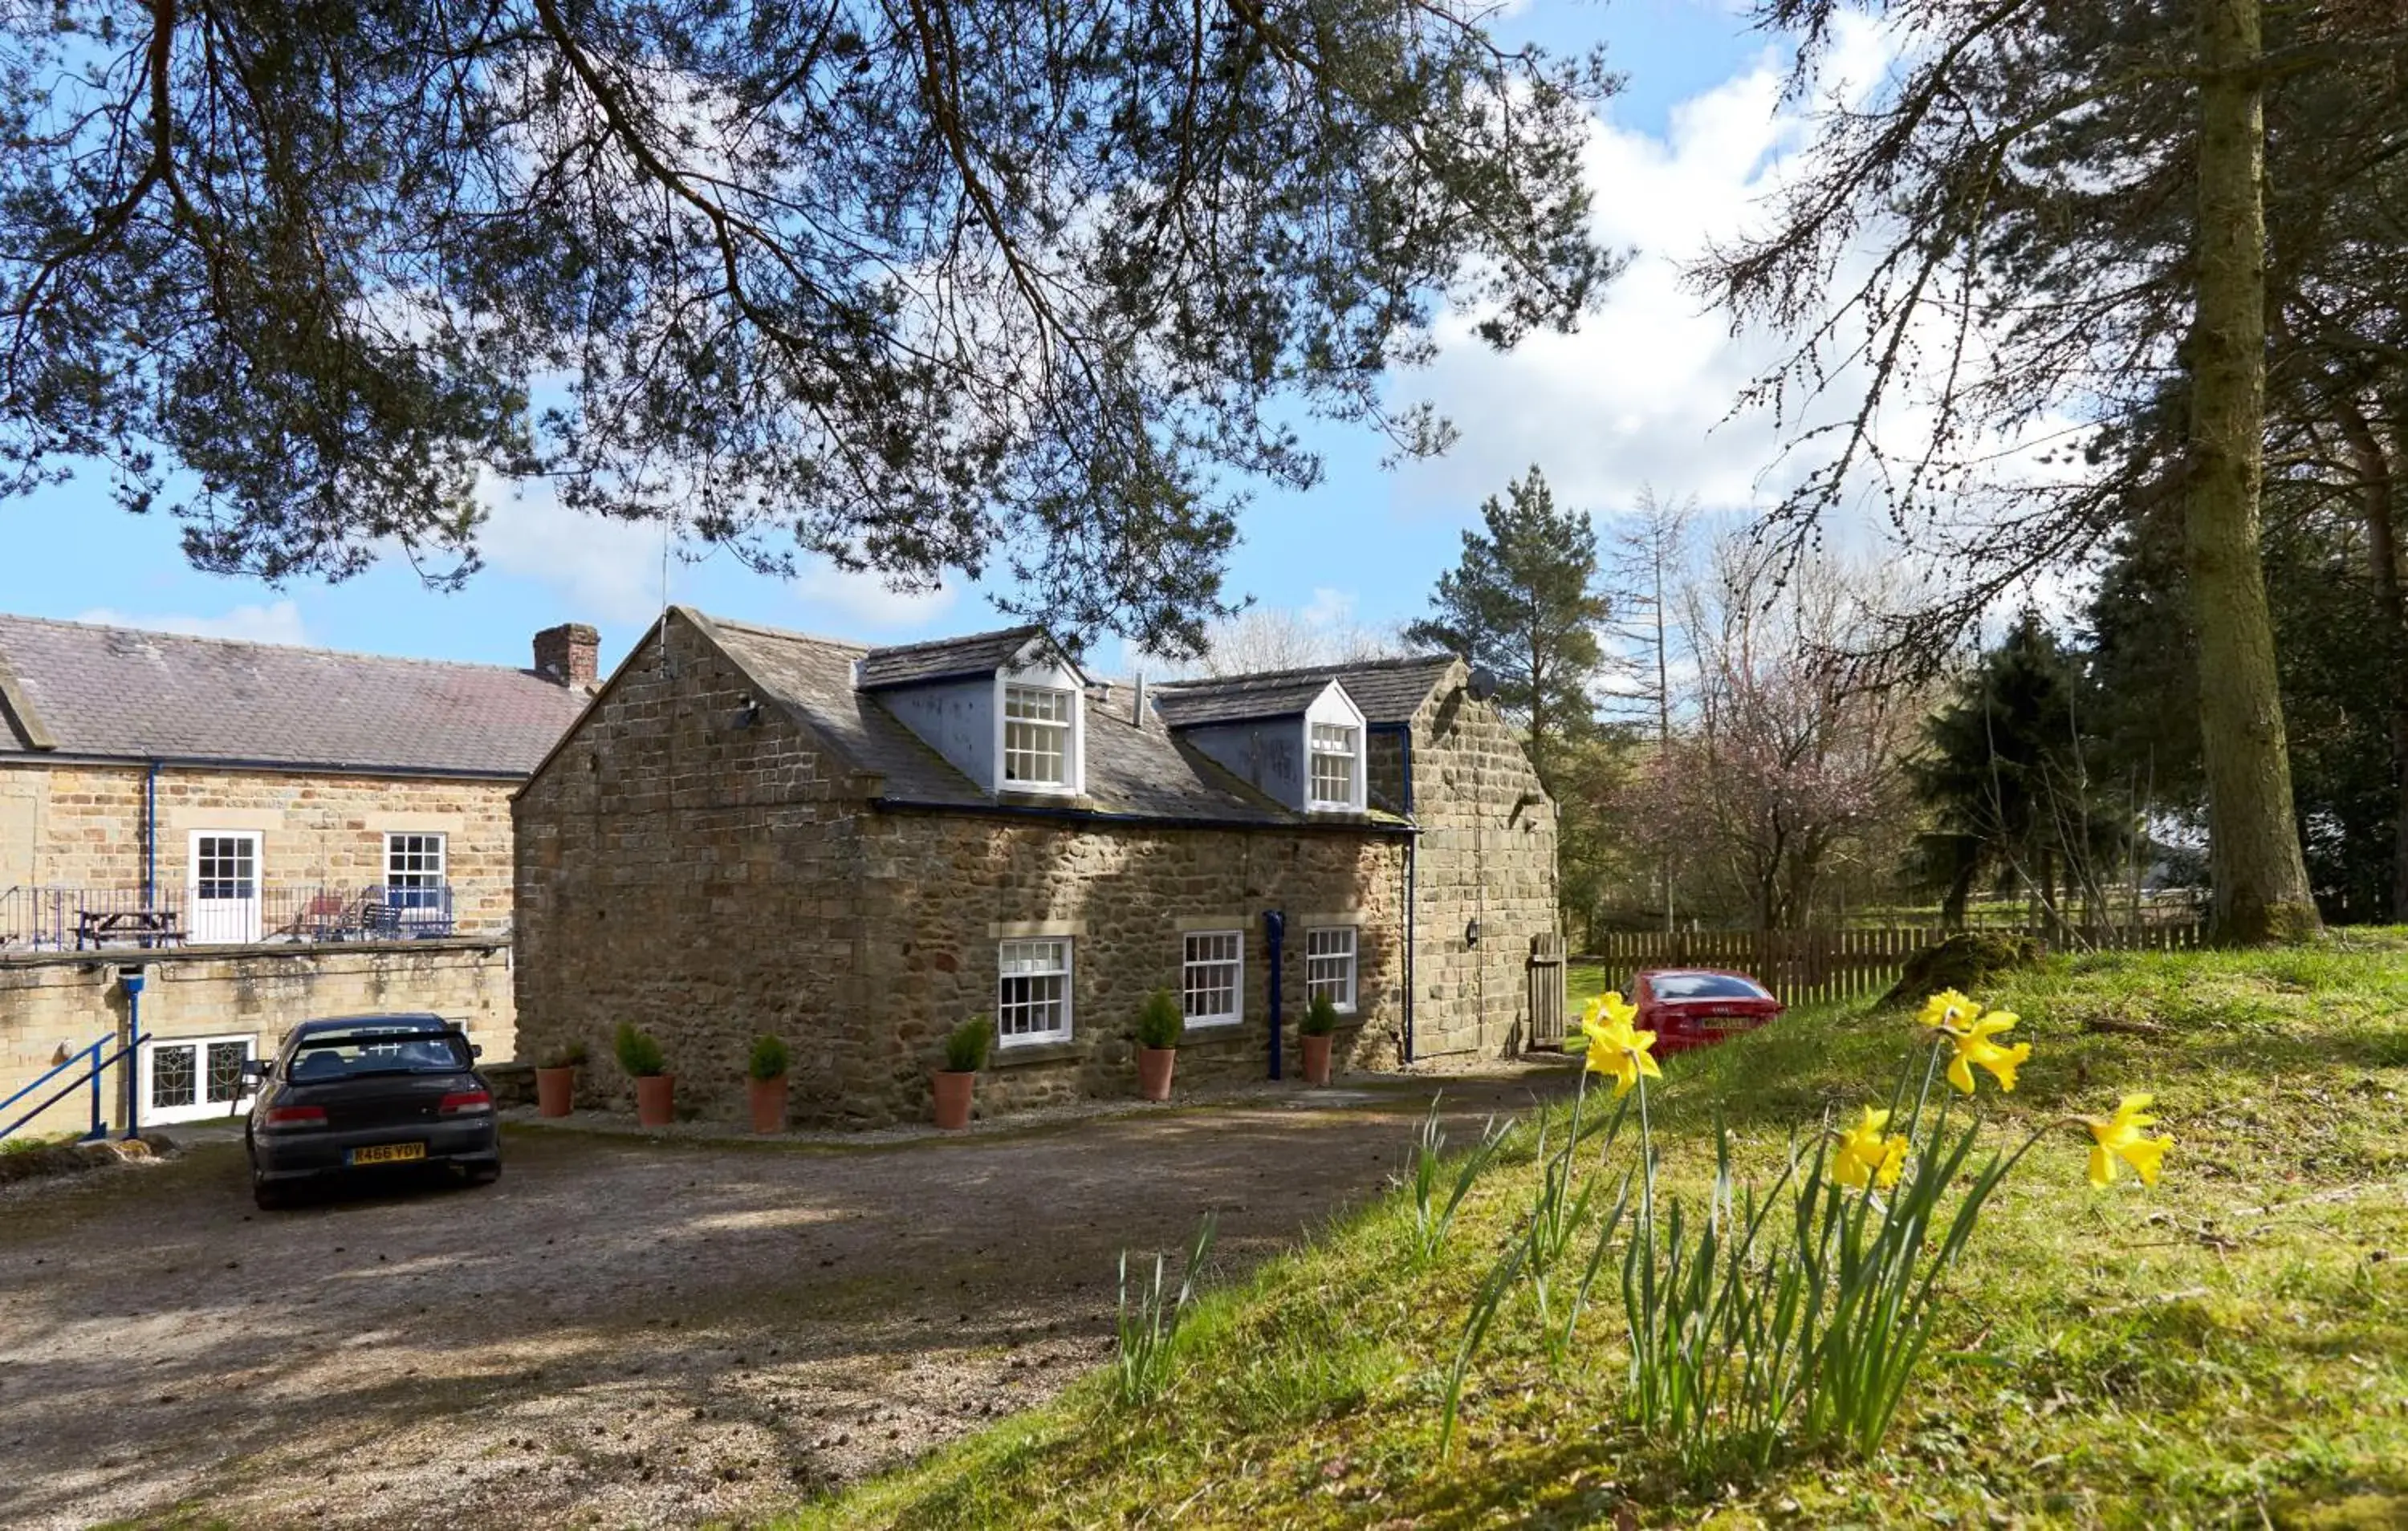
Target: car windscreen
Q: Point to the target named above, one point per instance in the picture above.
(1705, 986)
(349, 1054)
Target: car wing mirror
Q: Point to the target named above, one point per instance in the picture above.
(257, 1069)
(476, 1049)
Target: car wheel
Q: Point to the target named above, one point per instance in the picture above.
(485, 1174)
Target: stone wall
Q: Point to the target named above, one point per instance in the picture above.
(55, 1004)
(81, 825)
(691, 875)
(712, 882)
(1486, 852)
(942, 892)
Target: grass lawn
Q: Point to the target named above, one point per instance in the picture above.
(2230, 1348)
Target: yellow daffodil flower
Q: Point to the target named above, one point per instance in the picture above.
(1949, 1010)
(1866, 1157)
(1975, 1049)
(1614, 1048)
(2119, 1137)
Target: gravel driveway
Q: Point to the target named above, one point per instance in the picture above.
(621, 1332)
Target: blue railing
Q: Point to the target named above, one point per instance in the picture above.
(95, 1061)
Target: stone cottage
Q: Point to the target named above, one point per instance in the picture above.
(265, 832)
(757, 832)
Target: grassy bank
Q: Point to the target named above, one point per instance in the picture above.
(2230, 1348)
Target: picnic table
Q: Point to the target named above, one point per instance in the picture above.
(115, 927)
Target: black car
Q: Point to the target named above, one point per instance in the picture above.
(369, 1094)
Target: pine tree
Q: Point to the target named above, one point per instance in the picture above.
(1526, 603)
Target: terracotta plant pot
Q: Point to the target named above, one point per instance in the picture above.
(768, 1101)
(954, 1098)
(1153, 1065)
(655, 1100)
(555, 1091)
(1316, 1060)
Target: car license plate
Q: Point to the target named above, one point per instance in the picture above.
(388, 1153)
(1726, 1020)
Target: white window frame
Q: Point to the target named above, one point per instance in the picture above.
(428, 874)
(1333, 709)
(1066, 730)
(1189, 964)
(202, 1108)
(1021, 949)
(224, 920)
(1332, 943)
(1316, 751)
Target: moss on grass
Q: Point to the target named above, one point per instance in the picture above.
(2230, 1350)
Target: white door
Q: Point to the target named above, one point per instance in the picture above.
(224, 886)
(193, 1078)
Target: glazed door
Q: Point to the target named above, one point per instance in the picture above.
(224, 886)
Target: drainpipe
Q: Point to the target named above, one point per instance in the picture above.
(131, 978)
(151, 838)
(1274, 938)
(1404, 733)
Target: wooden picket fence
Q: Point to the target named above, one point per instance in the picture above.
(1805, 967)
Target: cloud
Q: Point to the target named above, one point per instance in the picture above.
(610, 571)
(1643, 394)
(1329, 607)
(278, 621)
(864, 600)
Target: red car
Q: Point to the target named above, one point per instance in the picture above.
(1693, 1007)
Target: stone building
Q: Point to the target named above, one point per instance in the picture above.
(269, 831)
(755, 832)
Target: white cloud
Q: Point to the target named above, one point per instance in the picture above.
(1643, 394)
(610, 571)
(864, 600)
(277, 622)
(1329, 607)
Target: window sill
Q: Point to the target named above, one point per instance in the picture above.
(1216, 1028)
(1018, 1054)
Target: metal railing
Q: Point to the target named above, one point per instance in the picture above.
(54, 917)
(95, 1061)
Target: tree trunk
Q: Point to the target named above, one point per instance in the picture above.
(2261, 883)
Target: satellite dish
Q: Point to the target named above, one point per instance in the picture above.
(1482, 684)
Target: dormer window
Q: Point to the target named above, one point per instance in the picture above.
(1040, 746)
(1337, 767)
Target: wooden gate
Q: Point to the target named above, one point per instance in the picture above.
(1546, 991)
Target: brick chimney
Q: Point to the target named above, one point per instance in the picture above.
(566, 654)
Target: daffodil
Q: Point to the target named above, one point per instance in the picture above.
(1615, 1047)
(2119, 1137)
(1949, 1010)
(1975, 1049)
(1866, 1157)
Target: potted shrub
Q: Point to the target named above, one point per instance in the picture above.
(966, 1052)
(555, 1080)
(766, 1088)
(1159, 1027)
(1320, 1020)
(640, 1055)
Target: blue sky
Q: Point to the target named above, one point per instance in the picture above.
(1636, 398)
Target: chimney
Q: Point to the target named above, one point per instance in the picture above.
(565, 654)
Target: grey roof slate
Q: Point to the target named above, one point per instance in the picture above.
(943, 659)
(121, 693)
(1389, 691)
(1130, 772)
(1236, 699)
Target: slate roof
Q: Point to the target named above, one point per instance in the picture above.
(1236, 699)
(123, 694)
(943, 659)
(1389, 691)
(1130, 772)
